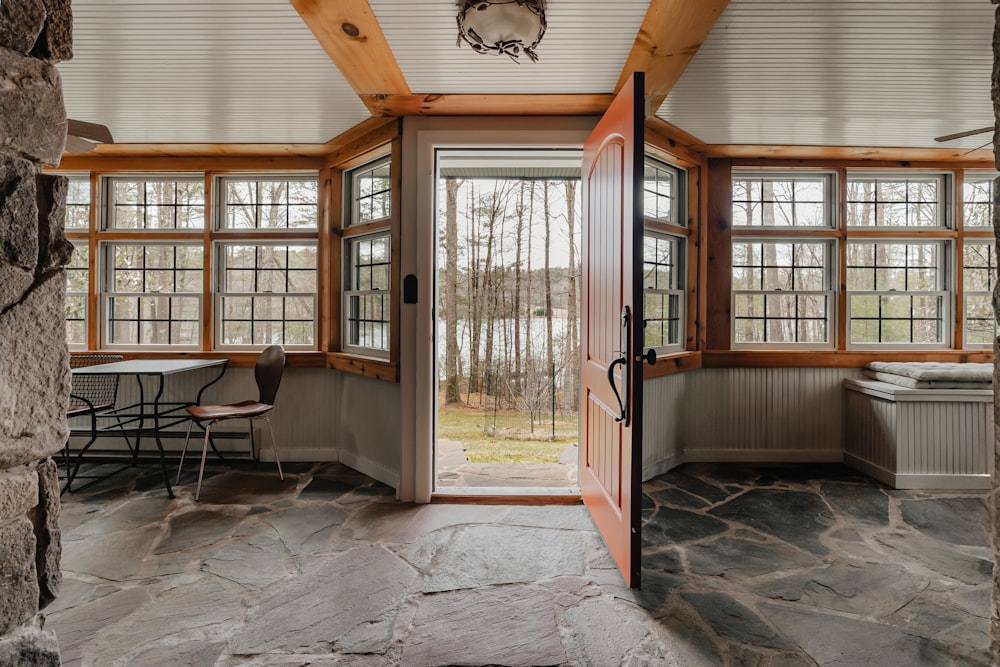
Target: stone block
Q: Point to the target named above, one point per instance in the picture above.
(18, 492)
(32, 112)
(14, 284)
(48, 534)
(54, 250)
(21, 22)
(18, 580)
(55, 44)
(34, 375)
(30, 646)
(18, 211)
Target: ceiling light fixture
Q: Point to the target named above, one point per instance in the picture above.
(508, 27)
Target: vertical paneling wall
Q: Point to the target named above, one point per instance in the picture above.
(744, 414)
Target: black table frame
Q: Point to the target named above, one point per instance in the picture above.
(132, 419)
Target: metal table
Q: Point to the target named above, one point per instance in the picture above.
(163, 414)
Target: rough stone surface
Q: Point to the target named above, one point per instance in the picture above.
(116, 556)
(18, 212)
(954, 520)
(55, 44)
(48, 534)
(18, 579)
(54, 250)
(368, 584)
(593, 643)
(34, 376)
(30, 647)
(306, 529)
(732, 619)
(254, 563)
(799, 518)
(21, 22)
(521, 624)
(32, 114)
(18, 492)
(197, 529)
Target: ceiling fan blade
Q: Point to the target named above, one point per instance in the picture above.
(967, 133)
(75, 145)
(92, 131)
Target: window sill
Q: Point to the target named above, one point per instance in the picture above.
(294, 359)
(833, 358)
(670, 364)
(371, 367)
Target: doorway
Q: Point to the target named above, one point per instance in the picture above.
(506, 328)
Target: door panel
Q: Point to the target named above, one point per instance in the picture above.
(611, 303)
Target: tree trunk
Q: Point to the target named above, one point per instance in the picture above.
(451, 384)
(550, 363)
(572, 307)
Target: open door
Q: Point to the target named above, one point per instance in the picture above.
(611, 327)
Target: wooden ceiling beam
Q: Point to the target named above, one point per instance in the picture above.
(487, 105)
(349, 33)
(668, 38)
(867, 153)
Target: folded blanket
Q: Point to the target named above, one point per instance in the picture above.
(931, 374)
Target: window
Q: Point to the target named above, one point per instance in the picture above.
(77, 284)
(267, 294)
(371, 193)
(781, 200)
(78, 202)
(979, 271)
(367, 296)
(897, 292)
(269, 203)
(896, 201)
(153, 294)
(367, 261)
(977, 197)
(661, 193)
(782, 292)
(162, 203)
(663, 312)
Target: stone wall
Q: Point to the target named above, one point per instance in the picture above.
(34, 370)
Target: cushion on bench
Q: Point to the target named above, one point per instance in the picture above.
(931, 374)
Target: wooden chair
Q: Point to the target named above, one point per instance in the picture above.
(267, 372)
(92, 395)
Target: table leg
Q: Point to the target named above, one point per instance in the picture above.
(142, 411)
(159, 443)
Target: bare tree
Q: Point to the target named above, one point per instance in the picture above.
(452, 390)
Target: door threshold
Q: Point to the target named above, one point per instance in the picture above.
(505, 495)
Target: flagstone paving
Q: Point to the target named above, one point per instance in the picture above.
(765, 566)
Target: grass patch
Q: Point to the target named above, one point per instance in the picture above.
(505, 436)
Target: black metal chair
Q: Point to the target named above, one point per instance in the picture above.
(267, 372)
(90, 395)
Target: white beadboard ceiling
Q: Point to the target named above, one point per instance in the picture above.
(840, 73)
(222, 71)
(785, 72)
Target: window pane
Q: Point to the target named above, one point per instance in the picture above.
(370, 194)
(78, 202)
(156, 204)
(271, 203)
(781, 201)
(977, 195)
(895, 202)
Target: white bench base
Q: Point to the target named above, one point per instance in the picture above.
(919, 438)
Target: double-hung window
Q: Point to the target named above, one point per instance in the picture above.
(267, 283)
(898, 273)
(783, 259)
(664, 266)
(78, 270)
(979, 259)
(152, 274)
(367, 260)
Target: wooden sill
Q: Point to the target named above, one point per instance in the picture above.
(832, 358)
(237, 359)
(378, 369)
(672, 364)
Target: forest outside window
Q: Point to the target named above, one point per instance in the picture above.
(782, 200)
(897, 293)
(152, 294)
(78, 202)
(782, 292)
(663, 290)
(371, 193)
(267, 295)
(891, 200)
(979, 269)
(261, 202)
(367, 298)
(155, 203)
(77, 280)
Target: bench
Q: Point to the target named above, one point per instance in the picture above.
(919, 438)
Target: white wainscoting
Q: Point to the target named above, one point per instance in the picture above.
(744, 414)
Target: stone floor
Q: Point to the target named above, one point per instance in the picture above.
(766, 566)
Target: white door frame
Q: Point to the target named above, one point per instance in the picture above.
(422, 137)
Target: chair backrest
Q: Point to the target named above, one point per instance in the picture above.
(98, 389)
(267, 372)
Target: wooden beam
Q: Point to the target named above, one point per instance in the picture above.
(203, 150)
(668, 38)
(349, 33)
(488, 105)
(886, 153)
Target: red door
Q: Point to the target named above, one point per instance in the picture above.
(611, 333)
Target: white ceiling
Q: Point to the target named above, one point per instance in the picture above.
(785, 72)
